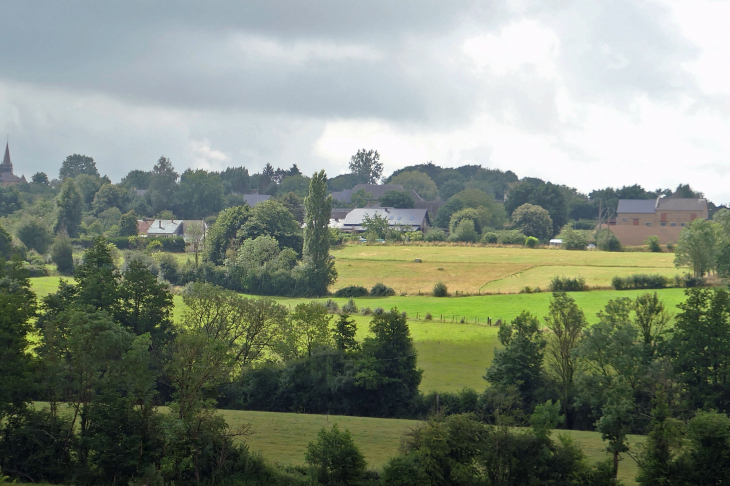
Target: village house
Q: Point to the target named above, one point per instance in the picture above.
(407, 219)
(637, 219)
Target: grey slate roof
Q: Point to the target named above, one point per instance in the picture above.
(405, 217)
(645, 206)
(375, 189)
(165, 227)
(682, 204)
(253, 199)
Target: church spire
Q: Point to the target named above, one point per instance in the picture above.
(6, 159)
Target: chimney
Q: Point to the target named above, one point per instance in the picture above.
(159, 222)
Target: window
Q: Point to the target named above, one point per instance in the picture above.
(682, 224)
(672, 224)
(663, 223)
(398, 218)
(624, 219)
(648, 224)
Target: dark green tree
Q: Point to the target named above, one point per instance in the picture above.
(271, 218)
(6, 244)
(366, 165)
(235, 179)
(700, 346)
(321, 270)
(62, 254)
(76, 164)
(98, 278)
(136, 179)
(9, 200)
(519, 363)
(69, 207)
(397, 199)
(199, 194)
(163, 185)
(34, 234)
(109, 196)
(39, 178)
(546, 195)
(344, 333)
(128, 224)
(223, 232)
(533, 221)
(656, 458)
(334, 458)
(292, 202)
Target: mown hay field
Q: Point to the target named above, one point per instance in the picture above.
(480, 269)
(283, 437)
(453, 355)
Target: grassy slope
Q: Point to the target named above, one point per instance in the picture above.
(455, 355)
(475, 269)
(283, 437)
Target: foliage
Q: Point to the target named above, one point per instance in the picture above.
(465, 232)
(434, 234)
(396, 199)
(128, 224)
(573, 239)
(440, 290)
(639, 281)
(75, 165)
(417, 181)
(271, 218)
(491, 214)
(531, 242)
(567, 284)
(69, 206)
(697, 247)
(9, 200)
(533, 221)
(334, 458)
(490, 237)
(62, 254)
(376, 225)
(607, 241)
(199, 194)
(511, 237)
(366, 165)
(520, 362)
(653, 243)
(465, 214)
(350, 307)
(381, 290)
(320, 267)
(344, 333)
(352, 291)
(538, 193)
(223, 232)
(163, 185)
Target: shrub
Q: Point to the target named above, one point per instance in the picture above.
(350, 307)
(334, 458)
(573, 239)
(531, 242)
(567, 284)
(689, 281)
(529, 290)
(434, 234)
(62, 254)
(378, 311)
(169, 268)
(639, 281)
(365, 311)
(607, 241)
(465, 232)
(381, 290)
(511, 237)
(332, 306)
(653, 243)
(440, 290)
(428, 316)
(352, 291)
(490, 238)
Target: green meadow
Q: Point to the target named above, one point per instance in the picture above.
(452, 354)
(283, 437)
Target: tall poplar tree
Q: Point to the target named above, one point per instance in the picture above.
(69, 207)
(321, 270)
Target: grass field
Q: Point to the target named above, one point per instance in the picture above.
(283, 437)
(479, 269)
(452, 355)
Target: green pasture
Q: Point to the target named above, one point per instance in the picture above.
(485, 269)
(283, 437)
(453, 355)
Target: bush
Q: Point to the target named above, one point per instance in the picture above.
(607, 241)
(689, 281)
(62, 254)
(511, 237)
(366, 311)
(169, 268)
(335, 459)
(332, 306)
(350, 307)
(573, 239)
(567, 284)
(440, 290)
(653, 243)
(381, 290)
(465, 232)
(639, 281)
(531, 242)
(352, 291)
(434, 234)
(490, 238)
(428, 316)
(378, 311)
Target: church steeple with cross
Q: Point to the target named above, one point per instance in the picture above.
(6, 170)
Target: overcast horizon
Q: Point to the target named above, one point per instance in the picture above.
(584, 93)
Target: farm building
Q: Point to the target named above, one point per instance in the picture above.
(253, 199)
(168, 228)
(637, 219)
(409, 219)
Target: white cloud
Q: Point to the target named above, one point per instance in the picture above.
(206, 157)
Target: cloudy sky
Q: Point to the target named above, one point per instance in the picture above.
(580, 92)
